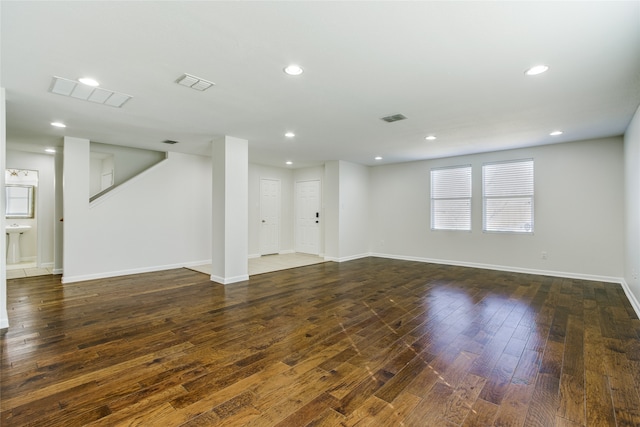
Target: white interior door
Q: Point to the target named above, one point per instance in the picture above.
(308, 217)
(269, 216)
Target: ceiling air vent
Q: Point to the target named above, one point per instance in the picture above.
(194, 82)
(393, 118)
(98, 95)
(169, 141)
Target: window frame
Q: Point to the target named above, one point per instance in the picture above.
(524, 195)
(433, 200)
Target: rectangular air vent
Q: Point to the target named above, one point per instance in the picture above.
(74, 89)
(393, 118)
(194, 82)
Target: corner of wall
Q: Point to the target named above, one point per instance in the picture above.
(4, 314)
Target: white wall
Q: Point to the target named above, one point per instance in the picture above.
(632, 210)
(160, 219)
(38, 243)
(331, 201)
(354, 210)
(285, 176)
(346, 199)
(578, 213)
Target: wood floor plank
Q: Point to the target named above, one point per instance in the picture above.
(482, 414)
(372, 341)
(542, 409)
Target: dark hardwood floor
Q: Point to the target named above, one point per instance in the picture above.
(368, 342)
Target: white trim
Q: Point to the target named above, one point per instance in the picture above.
(552, 273)
(4, 323)
(287, 251)
(229, 280)
(254, 256)
(57, 271)
(108, 274)
(631, 297)
(348, 258)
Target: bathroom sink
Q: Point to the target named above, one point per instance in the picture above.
(17, 228)
(13, 251)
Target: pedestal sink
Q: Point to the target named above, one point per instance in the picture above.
(14, 232)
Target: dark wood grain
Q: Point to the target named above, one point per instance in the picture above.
(367, 342)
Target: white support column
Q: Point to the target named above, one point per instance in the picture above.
(4, 314)
(75, 177)
(230, 211)
(331, 199)
(58, 227)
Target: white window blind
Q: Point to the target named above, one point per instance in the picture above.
(507, 194)
(451, 198)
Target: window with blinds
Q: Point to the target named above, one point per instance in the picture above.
(451, 198)
(507, 195)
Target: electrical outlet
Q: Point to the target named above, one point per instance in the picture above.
(543, 255)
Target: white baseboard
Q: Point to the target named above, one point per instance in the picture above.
(194, 263)
(58, 271)
(251, 256)
(107, 274)
(4, 323)
(511, 269)
(286, 251)
(347, 258)
(229, 280)
(631, 297)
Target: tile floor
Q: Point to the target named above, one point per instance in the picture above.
(26, 269)
(269, 263)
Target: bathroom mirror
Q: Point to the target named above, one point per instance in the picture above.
(19, 201)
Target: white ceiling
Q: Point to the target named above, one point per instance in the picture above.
(455, 69)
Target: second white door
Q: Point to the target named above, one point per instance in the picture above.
(269, 216)
(308, 217)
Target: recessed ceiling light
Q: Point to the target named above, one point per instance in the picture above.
(293, 70)
(378, 158)
(289, 134)
(58, 124)
(289, 162)
(50, 150)
(536, 69)
(431, 138)
(556, 133)
(89, 81)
